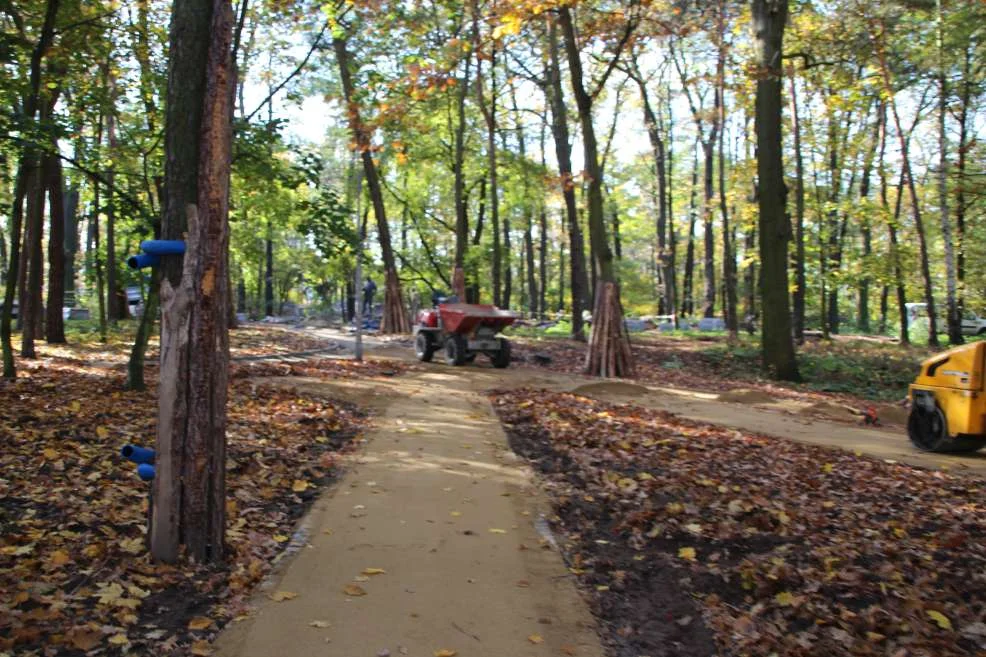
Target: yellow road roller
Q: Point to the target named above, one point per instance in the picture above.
(948, 401)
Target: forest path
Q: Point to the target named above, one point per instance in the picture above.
(438, 501)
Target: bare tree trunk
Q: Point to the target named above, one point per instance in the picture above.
(54, 324)
(489, 114)
(189, 505)
(116, 300)
(954, 314)
(965, 99)
(800, 281)
(687, 295)
(728, 253)
(10, 291)
(461, 217)
(579, 278)
(892, 233)
(32, 308)
(543, 235)
(529, 268)
(866, 229)
(769, 18)
(929, 297)
(666, 263)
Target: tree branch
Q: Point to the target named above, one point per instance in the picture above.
(294, 73)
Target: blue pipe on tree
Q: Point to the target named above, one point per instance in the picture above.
(163, 247)
(143, 260)
(145, 471)
(138, 454)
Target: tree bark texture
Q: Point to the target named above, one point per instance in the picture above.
(769, 18)
(189, 488)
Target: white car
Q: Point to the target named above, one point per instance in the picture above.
(972, 324)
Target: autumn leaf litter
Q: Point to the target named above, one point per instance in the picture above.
(694, 539)
(74, 573)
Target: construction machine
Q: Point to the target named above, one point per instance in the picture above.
(948, 401)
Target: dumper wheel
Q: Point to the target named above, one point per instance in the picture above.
(455, 350)
(501, 357)
(928, 431)
(424, 346)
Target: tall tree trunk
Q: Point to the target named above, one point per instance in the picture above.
(529, 268)
(609, 349)
(269, 271)
(965, 99)
(954, 314)
(116, 300)
(54, 324)
(10, 291)
(666, 264)
(543, 235)
(189, 501)
(728, 252)
(800, 281)
(674, 303)
(461, 217)
(769, 18)
(473, 289)
(71, 245)
(687, 294)
(32, 309)
(489, 114)
(579, 278)
(892, 232)
(866, 229)
(905, 156)
(395, 318)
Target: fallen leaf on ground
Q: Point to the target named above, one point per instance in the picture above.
(281, 596)
(201, 649)
(536, 638)
(200, 623)
(445, 653)
(354, 590)
(494, 530)
(687, 553)
(940, 619)
(319, 623)
(374, 571)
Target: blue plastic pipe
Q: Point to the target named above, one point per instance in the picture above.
(138, 454)
(143, 260)
(163, 247)
(145, 471)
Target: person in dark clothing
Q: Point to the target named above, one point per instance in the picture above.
(369, 289)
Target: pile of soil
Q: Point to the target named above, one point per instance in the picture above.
(746, 396)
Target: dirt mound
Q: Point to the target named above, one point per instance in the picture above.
(892, 414)
(746, 396)
(611, 389)
(826, 409)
